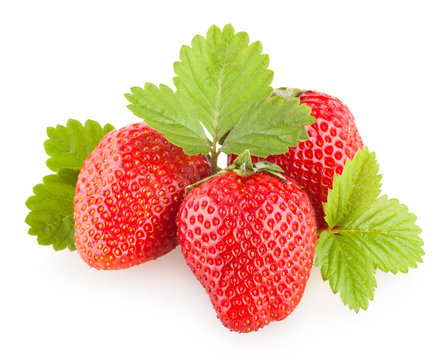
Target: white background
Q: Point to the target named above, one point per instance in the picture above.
(59, 60)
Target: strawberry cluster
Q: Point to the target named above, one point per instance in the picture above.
(296, 168)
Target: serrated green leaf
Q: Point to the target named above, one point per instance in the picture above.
(223, 86)
(387, 233)
(51, 210)
(366, 232)
(170, 114)
(359, 185)
(347, 268)
(322, 249)
(68, 146)
(270, 126)
(221, 76)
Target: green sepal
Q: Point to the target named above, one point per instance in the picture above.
(244, 166)
(287, 92)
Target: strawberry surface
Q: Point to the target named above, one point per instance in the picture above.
(333, 139)
(128, 193)
(250, 242)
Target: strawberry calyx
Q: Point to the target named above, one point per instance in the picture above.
(243, 166)
(287, 93)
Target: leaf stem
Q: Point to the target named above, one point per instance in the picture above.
(214, 156)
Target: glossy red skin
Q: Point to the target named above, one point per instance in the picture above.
(250, 242)
(333, 139)
(127, 197)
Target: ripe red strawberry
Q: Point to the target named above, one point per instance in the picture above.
(250, 242)
(333, 139)
(127, 197)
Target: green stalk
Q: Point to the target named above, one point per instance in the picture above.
(214, 156)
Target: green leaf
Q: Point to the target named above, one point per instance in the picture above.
(68, 146)
(387, 233)
(348, 269)
(51, 210)
(221, 76)
(223, 87)
(270, 126)
(366, 232)
(359, 185)
(170, 114)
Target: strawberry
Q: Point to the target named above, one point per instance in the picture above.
(250, 241)
(333, 139)
(127, 196)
